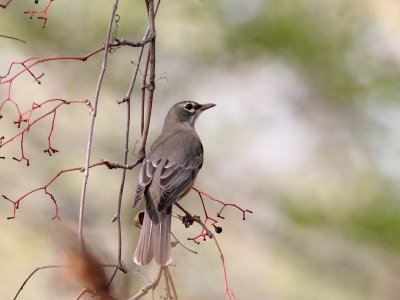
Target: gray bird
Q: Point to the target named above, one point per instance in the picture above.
(168, 173)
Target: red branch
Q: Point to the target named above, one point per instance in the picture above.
(29, 63)
(228, 291)
(26, 117)
(218, 229)
(6, 3)
(43, 12)
(45, 187)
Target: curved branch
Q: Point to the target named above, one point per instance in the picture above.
(33, 273)
(152, 285)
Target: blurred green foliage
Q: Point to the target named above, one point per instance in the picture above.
(377, 223)
(323, 40)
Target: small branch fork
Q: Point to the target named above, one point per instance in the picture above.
(152, 284)
(218, 229)
(188, 220)
(42, 13)
(5, 4)
(27, 65)
(17, 202)
(120, 267)
(26, 117)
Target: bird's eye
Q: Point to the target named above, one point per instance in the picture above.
(189, 106)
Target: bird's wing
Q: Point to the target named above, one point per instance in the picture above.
(145, 177)
(176, 178)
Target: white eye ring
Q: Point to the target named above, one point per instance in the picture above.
(189, 107)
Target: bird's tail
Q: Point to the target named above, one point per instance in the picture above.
(154, 241)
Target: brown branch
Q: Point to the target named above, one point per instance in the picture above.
(148, 37)
(121, 188)
(123, 42)
(11, 37)
(134, 74)
(59, 266)
(143, 98)
(33, 273)
(152, 66)
(179, 242)
(92, 122)
(167, 287)
(151, 286)
(189, 219)
(170, 285)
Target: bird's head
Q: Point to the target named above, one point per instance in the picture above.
(186, 112)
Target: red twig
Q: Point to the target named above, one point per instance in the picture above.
(45, 187)
(43, 12)
(50, 150)
(29, 63)
(188, 220)
(30, 123)
(228, 291)
(218, 229)
(22, 151)
(244, 211)
(6, 3)
(203, 232)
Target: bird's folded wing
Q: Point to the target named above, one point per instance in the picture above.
(175, 179)
(145, 176)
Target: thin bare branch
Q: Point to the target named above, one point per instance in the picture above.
(12, 38)
(122, 185)
(137, 65)
(81, 293)
(170, 283)
(33, 273)
(189, 219)
(152, 68)
(92, 122)
(151, 286)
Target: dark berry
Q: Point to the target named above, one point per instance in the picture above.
(218, 229)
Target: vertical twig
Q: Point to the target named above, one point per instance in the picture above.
(137, 66)
(228, 291)
(143, 98)
(171, 282)
(152, 68)
(92, 121)
(127, 98)
(121, 188)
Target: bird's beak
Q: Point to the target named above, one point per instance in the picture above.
(207, 106)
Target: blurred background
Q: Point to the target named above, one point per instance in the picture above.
(305, 133)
